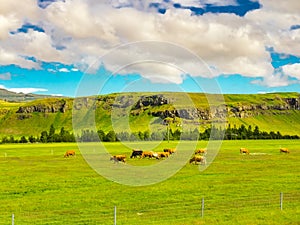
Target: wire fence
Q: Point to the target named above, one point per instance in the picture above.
(162, 213)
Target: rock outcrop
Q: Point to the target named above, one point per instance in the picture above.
(53, 107)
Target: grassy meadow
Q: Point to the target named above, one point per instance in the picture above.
(39, 186)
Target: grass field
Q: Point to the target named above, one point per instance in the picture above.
(39, 186)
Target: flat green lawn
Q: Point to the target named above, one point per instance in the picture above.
(39, 186)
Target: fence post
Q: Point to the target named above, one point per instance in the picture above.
(202, 208)
(115, 216)
(281, 200)
(13, 219)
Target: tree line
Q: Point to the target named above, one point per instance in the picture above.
(213, 133)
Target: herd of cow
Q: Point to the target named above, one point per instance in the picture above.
(137, 153)
(198, 157)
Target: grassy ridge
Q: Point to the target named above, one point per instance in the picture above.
(12, 123)
(39, 186)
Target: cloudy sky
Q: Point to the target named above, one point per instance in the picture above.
(53, 46)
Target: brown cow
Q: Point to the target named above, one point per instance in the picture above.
(244, 150)
(69, 153)
(162, 154)
(200, 151)
(170, 150)
(118, 158)
(198, 158)
(284, 150)
(148, 154)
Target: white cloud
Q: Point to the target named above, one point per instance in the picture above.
(225, 42)
(292, 70)
(11, 56)
(64, 70)
(13, 14)
(278, 79)
(90, 29)
(275, 20)
(27, 90)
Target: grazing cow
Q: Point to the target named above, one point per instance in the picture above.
(69, 153)
(200, 151)
(244, 150)
(148, 154)
(162, 154)
(170, 150)
(284, 150)
(198, 158)
(118, 158)
(135, 153)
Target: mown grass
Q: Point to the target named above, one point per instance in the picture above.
(40, 186)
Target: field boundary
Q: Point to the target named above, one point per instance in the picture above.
(199, 208)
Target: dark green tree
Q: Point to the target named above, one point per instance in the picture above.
(11, 139)
(111, 136)
(147, 135)
(23, 140)
(50, 137)
(31, 139)
(44, 137)
(256, 132)
(5, 140)
(101, 135)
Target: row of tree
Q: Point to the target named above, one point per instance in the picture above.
(214, 133)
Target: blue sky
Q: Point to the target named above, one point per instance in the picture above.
(53, 47)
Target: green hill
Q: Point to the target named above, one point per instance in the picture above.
(152, 111)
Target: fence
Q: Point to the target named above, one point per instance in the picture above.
(164, 213)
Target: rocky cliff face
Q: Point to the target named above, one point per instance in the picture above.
(153, 100)
(53, 107)
(222, 111)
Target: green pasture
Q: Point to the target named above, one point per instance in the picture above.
(39, 186)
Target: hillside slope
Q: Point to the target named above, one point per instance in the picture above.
(152, 111)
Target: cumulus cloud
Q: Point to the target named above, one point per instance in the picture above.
(228, 43)
(13, 14)
(292, 70)
(276, 19)
(241, 48)
(274, 80)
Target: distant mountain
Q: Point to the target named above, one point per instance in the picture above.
(10, 96)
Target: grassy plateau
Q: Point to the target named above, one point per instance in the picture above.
(39, 186)
(41, 113)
